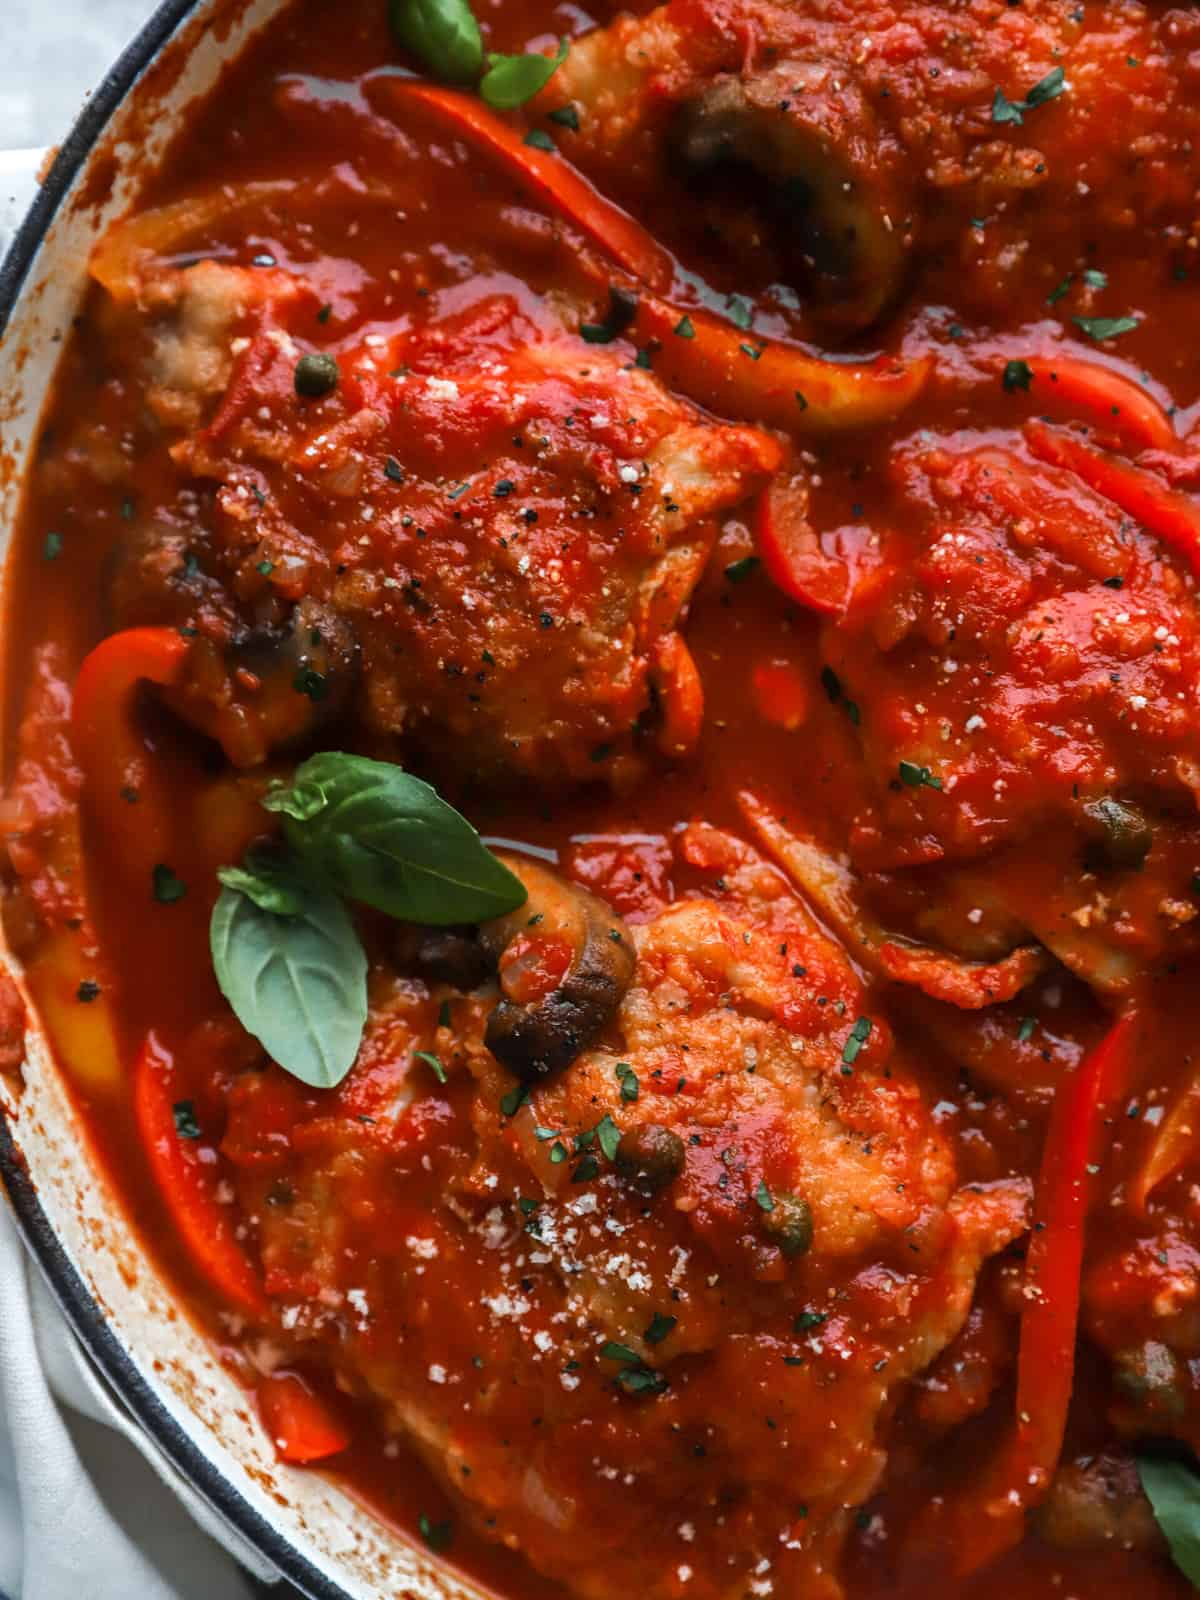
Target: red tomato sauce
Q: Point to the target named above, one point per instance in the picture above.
(871, 713)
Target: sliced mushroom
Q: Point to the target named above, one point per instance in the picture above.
(806, 132)
(1119, 835)
(272, 688)
(565, 961)
(1097, 1503)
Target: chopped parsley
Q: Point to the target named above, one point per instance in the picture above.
(1025, 1031)
(538, 139)
(186, 1125)
(566, 117)
(622, 309)
(608, 1136)
(437, 1535)
(832, 686)
(763, 1197)
(739, 571)
(1015, 111)
(740, 312)
(393, 470)
(514, 1100)
(52, 546)
(432, 1062)
(808, 1320)
(685, 328)
(917, 777)
(1101, 328)
(628, 1079)
(1017, 375)
(167, 887)
(859, 1034)
(660, 1327)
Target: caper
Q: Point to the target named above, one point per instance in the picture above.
(316, 374)
(650, 1154)
(1122, 836)
(789, 1224)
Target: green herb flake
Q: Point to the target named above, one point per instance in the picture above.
(763, 1197)
(740, 312)
(437, 1535)
(1062, 290)
(641, 1380)
(801, 401)
(685, 328)
(1017, 375)
(512, 1102)
(611, 1351)
(587, 1169)
(1025, 1030)
(622, 309)
(1015, 111)
(660, 1328)
(52, 546)
(566, 117)
(750, 350)
(393, 470)
(432, 1062)
(167, 887)
(859, 1034)
(1095, 279)
(808, 1320)
(186, 1126)
(1102, 328)
(324, 314)
(608, 1136)
(539, 139)
(917, 777)
(739, 571)
(265, 568)
(628, 1079)
(308, 681)
(444, 1014)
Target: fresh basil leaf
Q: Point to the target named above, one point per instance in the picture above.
(1173, 1491)
(1101, 328)
(379, 835)
(443, 34)
(511, 80)
(269, 891)
(298, 983)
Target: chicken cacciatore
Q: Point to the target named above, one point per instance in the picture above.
(602, 788)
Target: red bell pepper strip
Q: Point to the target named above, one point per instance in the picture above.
(123, 785)
(992, 1516)
(303, 1427)
(1169, 514)
(791, 552)
(188, 1184)
(778, 385)
(1115, 403)
(547, 175)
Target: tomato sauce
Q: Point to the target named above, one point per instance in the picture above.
(900, 700)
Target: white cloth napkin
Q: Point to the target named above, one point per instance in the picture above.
(88, 1508)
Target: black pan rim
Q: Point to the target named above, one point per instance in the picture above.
(90, 1326)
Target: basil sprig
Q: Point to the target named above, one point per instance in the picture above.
(377, 834)
(1173, 1490)
(296, 979)
(285, 951)
(444, 35)
(511, 80)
